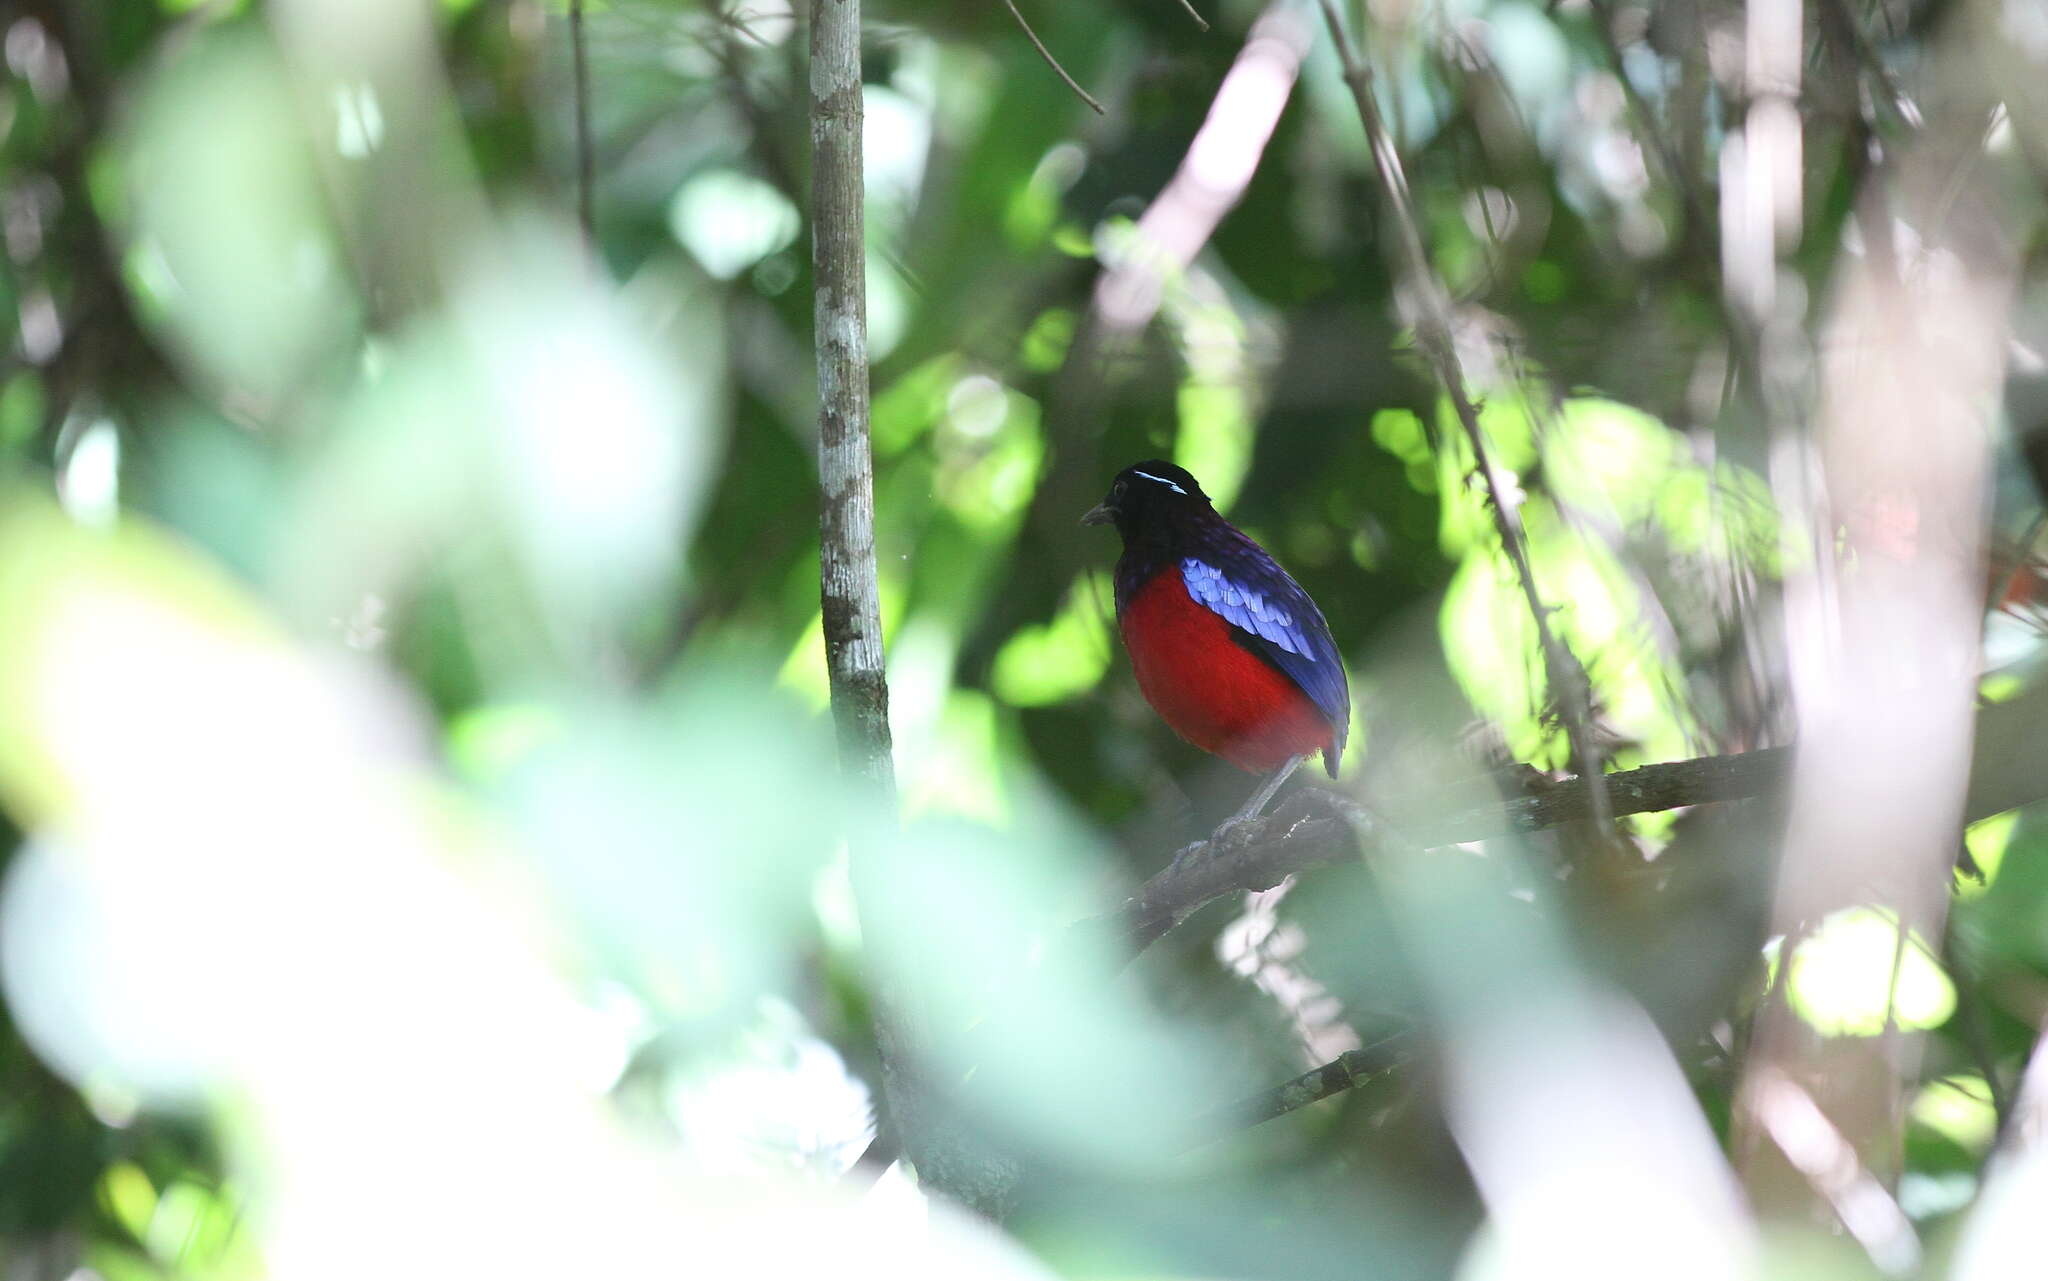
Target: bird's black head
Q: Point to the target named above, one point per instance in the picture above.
(1150, 500)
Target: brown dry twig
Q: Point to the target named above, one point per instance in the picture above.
(1051, 61)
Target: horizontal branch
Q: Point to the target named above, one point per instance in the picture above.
(1317, 827)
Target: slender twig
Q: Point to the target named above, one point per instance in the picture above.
(1348, 1070)
(1051, 61)
(586, 163)
(1200, 21)
(1433, 328)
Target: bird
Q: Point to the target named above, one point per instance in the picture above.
(1225, 645)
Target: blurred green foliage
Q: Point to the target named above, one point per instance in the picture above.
(413, 672)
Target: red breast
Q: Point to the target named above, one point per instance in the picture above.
(1214, 692)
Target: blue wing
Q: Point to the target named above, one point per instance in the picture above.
(1276, 620)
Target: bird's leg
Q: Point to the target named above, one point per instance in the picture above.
(1259, 798)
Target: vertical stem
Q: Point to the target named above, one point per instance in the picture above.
(952, 1160)
(586, 164)
(846, 558)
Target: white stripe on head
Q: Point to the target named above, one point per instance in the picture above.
(1161, 479)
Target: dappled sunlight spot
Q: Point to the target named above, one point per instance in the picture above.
(976, 407)
(260, 896)
(833, 903)
(1400, 433)
(896, 142)
(1652, 831)
(947, 756)
(358, 120)
(1034, 207)
(1028, 1026)
(191, 1229)
(487, 743)
(730, 220)
(1617, 456)
(1045, 343)
(1851, 976)
(1506, 420)
(683, 841)
(1988, 840)
(1534, 59)
(614, 1025)
(964, 774)
(89, 479)
(197, 1228)
(803, 672)
(1613, 475)
(1602, 615)
(889, 306)
(128, 1194)
(780, 1100)
(913, 404)
(601, 443)
(226, 195)
(990, 453)
(1214, 407)
(1491, 644)
(1051, 662)
(1465, 520)
(1725, 514)
(1958, 1108)
(2001, 687)
(1928, 1196)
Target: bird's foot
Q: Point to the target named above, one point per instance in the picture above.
(1226, 832)
(1257, 804)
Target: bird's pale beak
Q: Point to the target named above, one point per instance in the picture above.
(1099, 514)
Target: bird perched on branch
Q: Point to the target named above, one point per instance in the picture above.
(1226, 646)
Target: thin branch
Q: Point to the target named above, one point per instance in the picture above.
(1348, 1070)
(1199, 20)
(586, 164)
(1433, 327)
(1051, 61)
(1316, 828)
